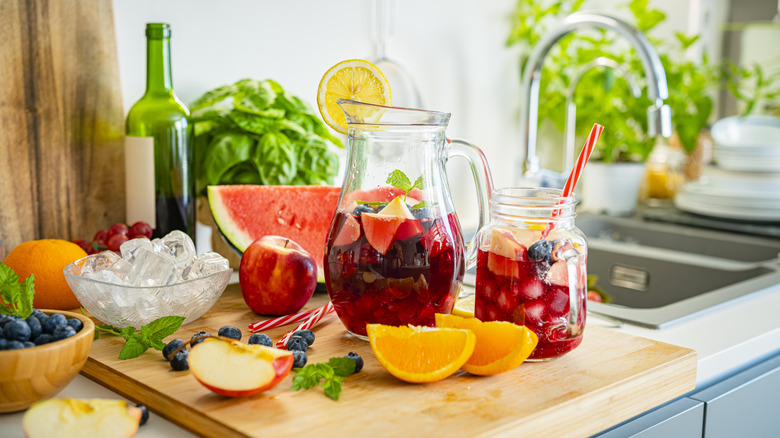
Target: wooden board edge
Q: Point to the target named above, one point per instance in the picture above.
(641, 387)
(157, 402)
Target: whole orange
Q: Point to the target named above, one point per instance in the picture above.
(46, 259)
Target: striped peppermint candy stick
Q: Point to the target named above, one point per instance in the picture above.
(576, 172)
(259, 326)
(309, 323)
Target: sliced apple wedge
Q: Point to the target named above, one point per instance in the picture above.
(232, 369)
(397, 207)
(66, 418)
(504, 253)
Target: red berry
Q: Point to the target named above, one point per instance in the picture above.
(141, 229)
(101, 237)
(86, 246)
(594, 296)
(118, 229)
(115, 241)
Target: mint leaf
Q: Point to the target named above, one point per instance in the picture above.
(418, 183)
(160, 328)
(127, 332)
(27, 291)
(342, 366)
(332, 372)
(399, 180)
(134, 347)
(332, 387)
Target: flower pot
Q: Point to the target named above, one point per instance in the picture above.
(612, 188)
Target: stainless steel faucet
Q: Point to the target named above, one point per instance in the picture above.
(659, 115)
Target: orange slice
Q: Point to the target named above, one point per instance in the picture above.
(420, 354)
(501, 346)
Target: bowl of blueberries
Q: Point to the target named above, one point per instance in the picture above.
(40, 355)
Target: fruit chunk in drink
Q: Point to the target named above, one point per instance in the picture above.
(523, 278)
(393, 264)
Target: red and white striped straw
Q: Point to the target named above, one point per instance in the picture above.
(309, 323)
(259, 326)
(574, 176)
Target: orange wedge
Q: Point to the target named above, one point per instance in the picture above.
(420, 354)
(501, 346)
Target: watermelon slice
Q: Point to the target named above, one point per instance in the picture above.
(303, 214)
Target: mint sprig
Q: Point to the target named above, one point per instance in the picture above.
(17, 299)
(399, 180)
(333, 372)
(150, 336)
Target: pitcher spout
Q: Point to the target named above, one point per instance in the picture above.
(361, 113)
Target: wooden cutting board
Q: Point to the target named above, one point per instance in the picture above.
(609, 378)
(61, 120)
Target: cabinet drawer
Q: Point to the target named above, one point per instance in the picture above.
(682, 418)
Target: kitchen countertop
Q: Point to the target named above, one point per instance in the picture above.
(726, 338)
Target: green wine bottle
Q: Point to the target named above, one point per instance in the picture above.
(160, 185)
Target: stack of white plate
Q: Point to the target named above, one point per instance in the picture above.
(744, 183)
(747, 144)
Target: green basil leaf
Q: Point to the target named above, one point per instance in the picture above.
(242, 173)
(226, 150)
(214, 96)
(251, 122)
(253, 96)
(275, 159)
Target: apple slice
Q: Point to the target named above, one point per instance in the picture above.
(232, 369)
(65, 418)
(397, 207)
(349, 232)
(558, 274)
(505, 251)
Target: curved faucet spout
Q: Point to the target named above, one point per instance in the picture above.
(659, 114)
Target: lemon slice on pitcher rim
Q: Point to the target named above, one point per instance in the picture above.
(353, 79)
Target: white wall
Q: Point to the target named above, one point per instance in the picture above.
(454, 49)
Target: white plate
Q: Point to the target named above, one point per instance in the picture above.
(742, 181)
(750, 131)
(684, 202)
(748, 165)
(763, 199)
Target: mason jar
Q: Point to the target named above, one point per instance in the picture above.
(531, 268)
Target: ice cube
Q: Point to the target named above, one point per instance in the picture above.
(131, 247)
(180, 247)
(206, 264)
(150, 269)
(98, 262)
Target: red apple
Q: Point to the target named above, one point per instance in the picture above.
(232, 369)
(65, 418)
(277, 276)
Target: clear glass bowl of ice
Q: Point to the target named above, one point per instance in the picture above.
(149, 280)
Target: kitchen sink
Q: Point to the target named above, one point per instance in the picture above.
(658, 274)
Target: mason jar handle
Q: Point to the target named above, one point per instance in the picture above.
(484, 185)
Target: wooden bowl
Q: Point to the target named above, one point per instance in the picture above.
(37, 373)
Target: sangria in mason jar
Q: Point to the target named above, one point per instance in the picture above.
(395, 253)
(531, 268)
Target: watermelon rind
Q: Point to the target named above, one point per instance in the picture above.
(231, 231)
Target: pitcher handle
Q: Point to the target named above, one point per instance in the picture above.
(484, 185)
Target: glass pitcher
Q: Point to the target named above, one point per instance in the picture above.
(395, 253)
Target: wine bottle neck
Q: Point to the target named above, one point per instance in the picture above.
(158, 64)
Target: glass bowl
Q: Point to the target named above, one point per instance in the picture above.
(123, 306)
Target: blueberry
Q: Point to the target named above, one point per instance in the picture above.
(4, 319)
(305, 334)
(180, 361)
(76, 324)
(17, 330)
(358, 360)
(44, 338)
(14, 345)
(540, 250)
(35, 326)
(53, 322)
(360, 209)
(28, 344)
(144, 414)
(230, 332)
(37, 312)
(297, 343)
(42, 317)
(3, 343)
(299, 359)
(201, 333)
(422, 213)
(261, 339)
(63, 332)
(170, 347)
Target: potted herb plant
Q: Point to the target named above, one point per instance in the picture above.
(606, 98)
